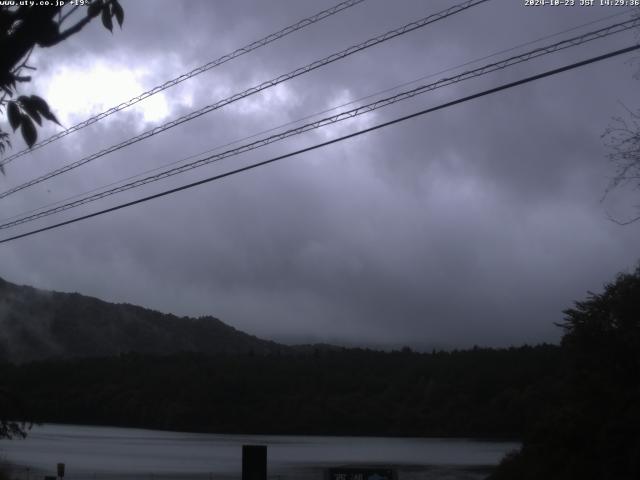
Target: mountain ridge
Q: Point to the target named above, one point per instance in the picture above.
(39, 324)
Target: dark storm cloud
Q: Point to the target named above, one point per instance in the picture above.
(474, 225)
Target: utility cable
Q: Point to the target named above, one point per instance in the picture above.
(282, 78)
(307, 117)
(490, 91)
(196, 71)
(527, 56)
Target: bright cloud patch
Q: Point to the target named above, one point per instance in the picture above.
(77, 91)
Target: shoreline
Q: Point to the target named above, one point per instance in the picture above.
(310, 472)
(478, 438)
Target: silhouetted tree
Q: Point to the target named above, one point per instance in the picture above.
(594, 433)
(11, 407)
(22, 28)
(622, 138)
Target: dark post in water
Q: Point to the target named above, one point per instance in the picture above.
(254, 462)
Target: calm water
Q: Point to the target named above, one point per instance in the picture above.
(97, 452)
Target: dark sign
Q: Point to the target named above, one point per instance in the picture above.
(254, 462)
(361, 474)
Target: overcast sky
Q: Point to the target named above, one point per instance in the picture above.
(477, 224)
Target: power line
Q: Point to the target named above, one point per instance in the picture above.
(335, 140)
(307, 117)
(526, 56)
(282, 78)
(196, 71)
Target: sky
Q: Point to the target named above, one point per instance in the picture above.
(473, 225)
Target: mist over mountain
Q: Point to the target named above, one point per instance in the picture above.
(38, 324)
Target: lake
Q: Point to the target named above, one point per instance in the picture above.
(108, 452)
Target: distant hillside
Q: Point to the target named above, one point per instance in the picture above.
(480, 392)
(38, 324)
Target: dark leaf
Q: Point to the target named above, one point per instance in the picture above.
(42, 107)
(28, 131)
(13, 112)
(31, 108)
(35, 115)
(117, 11)
(39, 103)
(94, 8)
(106, 19)
(48, 33)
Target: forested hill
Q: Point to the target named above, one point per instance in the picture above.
(479, 392)
(38, 324)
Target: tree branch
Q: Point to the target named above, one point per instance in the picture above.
(66, 15)
(71, 30)
(620, 222)
(15, 46)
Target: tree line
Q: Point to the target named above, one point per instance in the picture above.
(478, 392)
